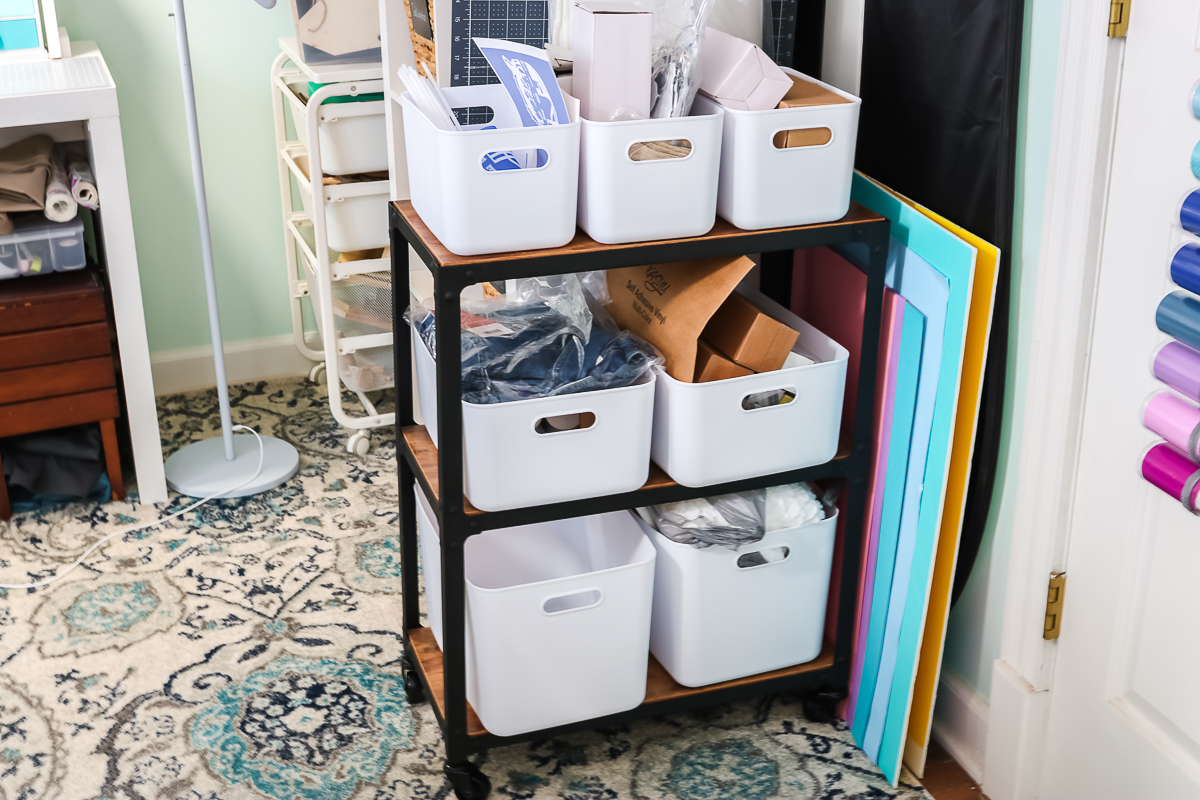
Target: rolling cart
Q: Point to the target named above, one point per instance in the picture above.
(440, 676)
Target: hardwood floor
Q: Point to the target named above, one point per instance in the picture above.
(945, 779)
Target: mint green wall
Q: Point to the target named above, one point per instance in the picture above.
(233, 43)
(973, 637)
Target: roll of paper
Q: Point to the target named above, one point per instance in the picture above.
(1189, 212)
(1176, 420)
(1178, 366)
(60, 204)
(1178, 316)
(1170, 470)
(1185, 267)
(83, 184)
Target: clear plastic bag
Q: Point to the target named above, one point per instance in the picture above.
(734, 520)
(675, 63)
(545, 337)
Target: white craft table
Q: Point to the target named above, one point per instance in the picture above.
(74, 99)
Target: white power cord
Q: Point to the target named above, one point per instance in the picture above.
(152, 523)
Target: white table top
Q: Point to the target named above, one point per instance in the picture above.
(84, 70)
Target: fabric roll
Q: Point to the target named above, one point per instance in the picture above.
(83, 183)
(1178, 366)
(1170, 471)
(60, 204)
(1178, 316)
(1185, 268)
(1189, 212)
(24, 168)
(1174, 419)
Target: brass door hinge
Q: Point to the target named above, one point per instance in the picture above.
(1118, 18)
(1054, 605)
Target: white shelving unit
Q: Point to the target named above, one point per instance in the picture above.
(346, 296)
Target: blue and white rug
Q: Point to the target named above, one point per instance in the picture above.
(251, 651)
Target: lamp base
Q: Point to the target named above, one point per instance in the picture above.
(200, 469)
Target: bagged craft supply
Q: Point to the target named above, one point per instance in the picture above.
(733, 520)
(675, 63)
(549, 337)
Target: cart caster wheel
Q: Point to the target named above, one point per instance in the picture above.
(359, 443)
(468, 781)
(317, 373)
(414, 692)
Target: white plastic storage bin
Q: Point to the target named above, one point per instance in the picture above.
(715, 620)
(703, 435)
(473, 211)
(355, 213)
(352, 136)
(622, 200)
(38, 246)
(763, 186)
(557, 618)
(508, 464)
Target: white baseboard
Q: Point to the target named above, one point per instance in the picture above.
(960, 723)
(1016, 736)
(191, 368)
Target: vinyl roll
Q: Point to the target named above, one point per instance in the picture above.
(1170, 471)
(1176, 420)
(1178, 316)
(60, 205)
(1178, 366)
(83, 184)
(1185, 267)
(1189, 212)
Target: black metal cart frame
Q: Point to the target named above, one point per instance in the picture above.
(441, 676)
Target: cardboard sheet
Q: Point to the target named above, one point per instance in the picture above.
(955, 260)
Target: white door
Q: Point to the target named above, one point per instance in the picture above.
(1125, 705)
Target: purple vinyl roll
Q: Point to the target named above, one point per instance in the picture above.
(1171, 471)
(1178, 366)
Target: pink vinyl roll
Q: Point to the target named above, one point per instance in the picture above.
(1178, 366)
(1174, 473)
(1176, 420)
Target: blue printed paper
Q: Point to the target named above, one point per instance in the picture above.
(528, 76)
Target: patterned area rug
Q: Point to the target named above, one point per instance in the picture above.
(251, 651)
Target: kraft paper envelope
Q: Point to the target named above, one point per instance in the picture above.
(668, 305)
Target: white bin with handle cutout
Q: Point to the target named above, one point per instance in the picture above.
(473, 211)
(508, 463)
(557, 618)
(765, 616)
(352, 135)
(704, 435)
(764, 186)
(641, 180)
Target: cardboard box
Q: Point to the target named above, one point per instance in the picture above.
(613, 46)
(713, 365)
(669, 304)
(749, 336)
(738, 74)
(805, 93)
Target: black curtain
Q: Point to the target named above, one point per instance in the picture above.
(940, 82)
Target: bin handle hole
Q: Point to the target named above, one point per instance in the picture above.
(565, 423)
(522, 159)
(758, 401)
(763, 558)
(660, 150)
(802, 137)
(575, 601)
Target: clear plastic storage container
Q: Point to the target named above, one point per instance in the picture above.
(765, 616)
(557, 618)
(38, 246)
(508, 463)
(704, 434)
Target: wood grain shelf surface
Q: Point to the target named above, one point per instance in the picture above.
(582, 243)
(426, 456)
(660, 686)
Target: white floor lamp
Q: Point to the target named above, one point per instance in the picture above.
(204, 468)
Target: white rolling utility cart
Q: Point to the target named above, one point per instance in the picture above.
(335, 239)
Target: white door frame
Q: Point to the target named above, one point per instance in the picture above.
(1089, 67)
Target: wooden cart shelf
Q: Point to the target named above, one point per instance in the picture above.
(660, 686)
